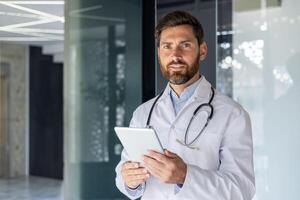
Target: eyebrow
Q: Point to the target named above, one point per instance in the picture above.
(166, 42)
(172, 42)
(185, 41)
(179, 42)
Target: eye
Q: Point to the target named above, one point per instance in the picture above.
(185, 45)
(166, 46)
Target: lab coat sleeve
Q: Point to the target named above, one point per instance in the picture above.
(131, 194)
(234, 180)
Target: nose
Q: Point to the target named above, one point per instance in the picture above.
(175, 54)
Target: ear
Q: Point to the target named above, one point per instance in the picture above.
(203, 51)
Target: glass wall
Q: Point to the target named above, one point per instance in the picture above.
(259, 66)
(102, 87)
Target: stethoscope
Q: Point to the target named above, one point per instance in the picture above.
(186, 142)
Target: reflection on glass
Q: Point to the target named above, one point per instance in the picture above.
(262, 65)
(103, 55)
(95, 91)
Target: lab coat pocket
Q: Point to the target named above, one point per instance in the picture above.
(204, 152)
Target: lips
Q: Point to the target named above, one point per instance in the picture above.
(176, 67)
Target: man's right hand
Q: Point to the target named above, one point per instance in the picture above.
(133, 174)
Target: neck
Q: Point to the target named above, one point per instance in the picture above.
(178, 89)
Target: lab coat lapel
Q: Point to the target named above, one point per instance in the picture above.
(167, 105)
(203, 91)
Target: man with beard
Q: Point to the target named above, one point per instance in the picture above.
(207, 136)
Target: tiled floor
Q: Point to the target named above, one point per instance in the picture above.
(31, 188)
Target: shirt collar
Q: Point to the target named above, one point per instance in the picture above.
(187, 92)
(202, 90)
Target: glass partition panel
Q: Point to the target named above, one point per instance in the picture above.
(259, 66)
(102, 86)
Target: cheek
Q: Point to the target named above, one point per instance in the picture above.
(190, 59)
(163, 59)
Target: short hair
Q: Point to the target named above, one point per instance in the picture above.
(177, 18)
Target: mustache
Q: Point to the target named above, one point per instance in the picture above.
(177, 62)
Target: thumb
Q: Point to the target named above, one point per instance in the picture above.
(170, 154)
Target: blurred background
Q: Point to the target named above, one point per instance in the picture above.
(72, 70)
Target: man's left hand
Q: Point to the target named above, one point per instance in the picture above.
(168, 167)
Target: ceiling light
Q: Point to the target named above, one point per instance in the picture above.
(36, 2)
(61, 19)
(44, 21)
(42, 35)
(20, 15)
(25, 39)
(38, 30)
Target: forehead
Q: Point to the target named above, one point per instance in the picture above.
(181, 32)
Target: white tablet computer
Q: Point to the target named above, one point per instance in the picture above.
(137, 141)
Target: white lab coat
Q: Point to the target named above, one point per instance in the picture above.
(222, 168)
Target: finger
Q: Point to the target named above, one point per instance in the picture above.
(170, 154)
(131, 165)
(136, 171)
(128, 172)
(132, 177)
(136, 180)
(152, 164)
(154, 172)
(157, 156)
(138, 177)
(152, 161)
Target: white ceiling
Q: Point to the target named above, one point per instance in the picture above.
(32, 22)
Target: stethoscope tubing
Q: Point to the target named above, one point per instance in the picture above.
(208, 104)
